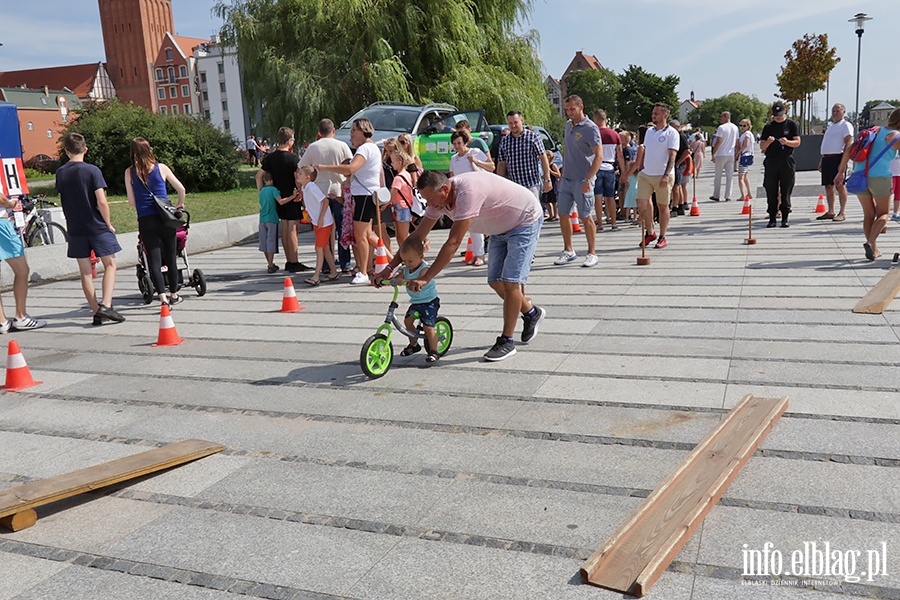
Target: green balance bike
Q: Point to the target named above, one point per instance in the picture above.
(377, 354)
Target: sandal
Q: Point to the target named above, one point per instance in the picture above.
(870, 252)
(410, 350)
(333, 277)
(432, 357)
(478, 262)
(311, 281)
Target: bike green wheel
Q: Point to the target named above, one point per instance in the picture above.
(444, 331)
(376, 356)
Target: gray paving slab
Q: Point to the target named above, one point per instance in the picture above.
(419, 569)
(823, 401)
(277, 552)
(82, 583)
(19, 574)
(41, 456)
(668, 393)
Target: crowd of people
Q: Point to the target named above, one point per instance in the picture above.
(355, 198)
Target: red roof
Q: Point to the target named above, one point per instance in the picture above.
(187, 44)
(78, 78)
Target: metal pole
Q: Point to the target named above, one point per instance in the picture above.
(859, 33)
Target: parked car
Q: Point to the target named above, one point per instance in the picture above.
(549, 142)
(430, 127)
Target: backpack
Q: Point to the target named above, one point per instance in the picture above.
(862, 145)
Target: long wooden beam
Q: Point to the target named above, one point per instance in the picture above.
(17, 504)
(881, 295)
(636, 555)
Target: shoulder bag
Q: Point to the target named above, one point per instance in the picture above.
(859, 180)
(171, 216)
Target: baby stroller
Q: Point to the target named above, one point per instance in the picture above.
(196, 279)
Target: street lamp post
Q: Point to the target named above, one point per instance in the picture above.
(860, 20)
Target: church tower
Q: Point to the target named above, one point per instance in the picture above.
(133, 31)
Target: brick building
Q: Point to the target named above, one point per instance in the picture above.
(173, 75)
(42, 114)
(89, 81)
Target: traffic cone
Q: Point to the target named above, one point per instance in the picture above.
(820, 207)
(18, 377)
(576, 226)
(305, 217)
(381, 259)
(289, 303)
(746, 209)
(695, 208)
(168, 336)
(470, 256)
(94, 261)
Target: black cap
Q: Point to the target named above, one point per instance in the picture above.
(778, 108)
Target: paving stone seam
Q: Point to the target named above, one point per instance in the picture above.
(467, 395)
(270, 591)
(550, 436)
(283, 381)
(201, 579)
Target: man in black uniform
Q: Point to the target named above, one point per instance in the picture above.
(777, 141)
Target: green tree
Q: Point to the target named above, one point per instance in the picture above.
(640, 91)
(808, 64)
(739, 105)
(307, 59)
(201, 156)
(598, 89)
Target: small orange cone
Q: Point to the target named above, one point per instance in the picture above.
(305, 217)
(576, 226)
(168, 336)
(289, 303)
(746, 209)
(470, 256)
(381, 259)
(18, 377)
(820, 207)
(695, 208)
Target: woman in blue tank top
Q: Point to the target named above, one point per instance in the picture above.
(144, 179)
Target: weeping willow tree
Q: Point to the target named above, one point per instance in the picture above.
(306, 59)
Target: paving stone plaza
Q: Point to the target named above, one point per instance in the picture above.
(469, 479)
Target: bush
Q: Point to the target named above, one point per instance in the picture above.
(200, 155)
(40, 164)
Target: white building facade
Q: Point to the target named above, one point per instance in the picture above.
(220, 89)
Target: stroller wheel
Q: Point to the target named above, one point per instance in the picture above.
(199, 282)
(146, 287)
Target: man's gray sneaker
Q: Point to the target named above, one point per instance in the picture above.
(530, 324)
(503, 348)
(109, 313)
(27, 322)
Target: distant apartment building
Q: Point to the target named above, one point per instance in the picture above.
(42, 115)
(221, 92)
(173, 75)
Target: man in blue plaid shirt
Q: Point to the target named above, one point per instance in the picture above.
(521, 157)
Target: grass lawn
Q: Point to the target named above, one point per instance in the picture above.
(204, 206)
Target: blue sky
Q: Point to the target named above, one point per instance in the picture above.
(714, 46)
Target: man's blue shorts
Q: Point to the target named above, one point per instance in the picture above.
(103, 244)
(510, 253)
(605, 184)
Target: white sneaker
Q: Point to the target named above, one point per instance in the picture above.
(27, 322)
(565, 258)
(590, 260)
(5, 325)
(360, 279)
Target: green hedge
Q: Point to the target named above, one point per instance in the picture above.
(201, 156)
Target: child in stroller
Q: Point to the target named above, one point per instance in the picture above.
(195, 280)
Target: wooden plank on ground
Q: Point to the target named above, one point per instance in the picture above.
(17, 504)
(636, 555)
(881, 295)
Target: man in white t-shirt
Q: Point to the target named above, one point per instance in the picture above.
(512, 216)
(723, 156)
(658, 175)
(837, 138)
(327, 150)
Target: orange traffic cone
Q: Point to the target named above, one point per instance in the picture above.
(289, 303)
(820, 207)
(18, 377)
(381, 259)
(168, 336)
(746, 209)
(695, 208)
(94, 261)
(470, 256)
(576, 226)
(305, 217)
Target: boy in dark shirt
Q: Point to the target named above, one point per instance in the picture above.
(83, 197)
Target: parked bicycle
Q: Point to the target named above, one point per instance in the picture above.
(38, 229)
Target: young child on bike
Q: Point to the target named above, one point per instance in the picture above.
(323, 222)
(425, 302)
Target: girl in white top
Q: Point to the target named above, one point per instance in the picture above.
(744, 147)
(464, 161)
(366, 176)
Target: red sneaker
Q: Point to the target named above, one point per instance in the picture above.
(648, 238)
(661, 243)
